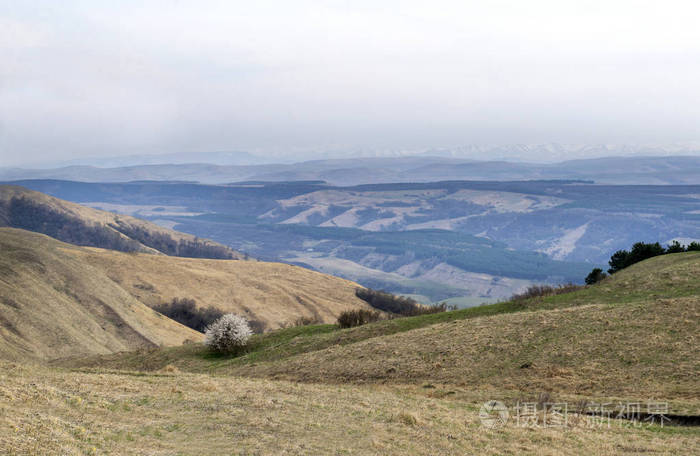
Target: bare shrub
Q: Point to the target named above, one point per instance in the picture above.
(537, 291)
(228, 334)
(185, 311)
(359, 317)
(432, 309)
(257, 326)
(306, 321)
(302, 321)
(398, 305)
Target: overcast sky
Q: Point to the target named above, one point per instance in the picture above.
(92, 78)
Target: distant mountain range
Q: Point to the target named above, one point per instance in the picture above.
(535, 153)
(660, 170)
(213, 158)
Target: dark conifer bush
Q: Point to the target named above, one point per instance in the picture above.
(595, 276)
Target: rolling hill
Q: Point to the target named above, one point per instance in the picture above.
(55, 305)
(632, 336)
(80, 225)
(481, 241)
(59, 300)
(405, 386)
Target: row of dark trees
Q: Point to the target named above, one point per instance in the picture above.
(27, 214)
(397, 305)
(639, 252)
(164, 243)
(21, 212)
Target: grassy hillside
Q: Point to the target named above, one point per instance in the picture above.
(633, 335)
(52, 304)
(273, 293)
(80, 225)
(405, 386)
(61, 300)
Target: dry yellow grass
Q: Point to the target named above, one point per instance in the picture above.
(274, 293)
(53, 305)
(53, 412)
(611, 340)
(59, 300)
(637, 350)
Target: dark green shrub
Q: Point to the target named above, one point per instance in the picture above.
(640, 251)
(675, 247)
(693, 247)
(595, 276)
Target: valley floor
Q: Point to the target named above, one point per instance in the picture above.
(55, 411)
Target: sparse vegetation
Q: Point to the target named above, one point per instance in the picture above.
(359, 317)
(306, 321)
(631, 288)
(185, 311)
(398, 305)
(539, 291)
(228, 334)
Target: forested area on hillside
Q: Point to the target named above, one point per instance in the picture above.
(25, 213)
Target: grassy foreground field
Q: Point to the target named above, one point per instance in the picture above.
(49, 411)
(405, 386)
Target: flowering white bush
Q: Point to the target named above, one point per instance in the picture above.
(228, 333)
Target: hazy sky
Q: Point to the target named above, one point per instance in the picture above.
(90, 78)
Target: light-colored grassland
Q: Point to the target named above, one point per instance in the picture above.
(404, 386)
(59, 300)
(52, 412)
